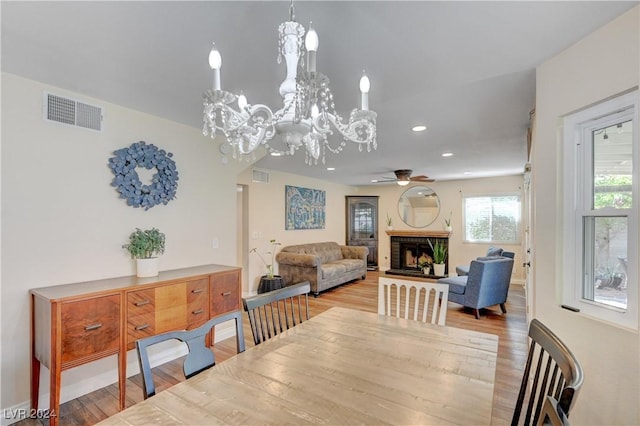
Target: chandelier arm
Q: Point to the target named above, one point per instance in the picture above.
(361, 127)
(250, 128)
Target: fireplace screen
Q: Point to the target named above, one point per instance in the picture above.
(415, 256)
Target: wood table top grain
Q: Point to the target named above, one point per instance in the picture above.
(341, 367)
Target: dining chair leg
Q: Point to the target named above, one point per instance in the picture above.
(477, 312)
(504, 310)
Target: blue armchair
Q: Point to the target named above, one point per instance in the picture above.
(486, 285)
(492, 252)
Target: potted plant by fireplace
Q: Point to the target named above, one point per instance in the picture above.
(145, 247)
(270, 281)
(424, 262)
(439, 258)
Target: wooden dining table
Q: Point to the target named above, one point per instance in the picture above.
(342, 366)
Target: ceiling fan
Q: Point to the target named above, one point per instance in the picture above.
(403, 177)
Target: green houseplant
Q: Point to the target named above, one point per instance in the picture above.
(447, 222)
(272, 252)
(270, 281)
(145, 246)
(439, 257)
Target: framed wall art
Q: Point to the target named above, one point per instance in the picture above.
(304, 208)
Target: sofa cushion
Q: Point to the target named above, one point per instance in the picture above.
(457, 285)
(350, 264)
(332, 270)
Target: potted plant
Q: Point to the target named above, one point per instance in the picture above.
(424, 263)
(447, 223)
(439, 258)
(389, 222)
(145, 247)
(270, 281)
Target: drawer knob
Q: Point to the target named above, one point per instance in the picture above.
(197, 290)
(197, 311)
(142, 327)
(226, 293)
(142, 303)
(93, 326)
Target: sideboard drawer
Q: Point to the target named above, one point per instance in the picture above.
(90, 327)
(225, 292)
(141, 302)
(140, 326)
(197, 302)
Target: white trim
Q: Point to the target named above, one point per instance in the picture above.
(577, 128)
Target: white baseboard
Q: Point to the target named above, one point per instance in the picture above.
(83, 384)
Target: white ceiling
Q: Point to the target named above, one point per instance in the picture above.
(465, 69)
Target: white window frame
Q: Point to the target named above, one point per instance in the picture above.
(577, 129)
(518, 195)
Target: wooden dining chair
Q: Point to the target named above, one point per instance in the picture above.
(273, 312)
(199, 358)
(552, 414)
(551, 369)
(415, 299)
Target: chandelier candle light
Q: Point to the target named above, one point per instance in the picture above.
(308, 111)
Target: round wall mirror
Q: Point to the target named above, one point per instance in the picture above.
(419, 206)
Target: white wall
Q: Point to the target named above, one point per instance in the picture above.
(62, 222)
(600, 66)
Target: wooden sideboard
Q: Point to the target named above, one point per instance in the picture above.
(74, 324)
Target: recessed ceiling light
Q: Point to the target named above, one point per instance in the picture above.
(419, 128)
(374, 180)
(466, 173)
(447, 154)
(275, 154)
(331, 168)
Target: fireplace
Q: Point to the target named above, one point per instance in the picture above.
(410, 249)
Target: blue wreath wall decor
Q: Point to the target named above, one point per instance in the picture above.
(164, 183)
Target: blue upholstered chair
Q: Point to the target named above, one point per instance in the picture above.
(491, 253)
(486, 285)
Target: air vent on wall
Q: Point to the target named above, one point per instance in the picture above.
(72, 112)
(260, 176)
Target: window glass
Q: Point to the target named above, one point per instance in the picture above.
(605, 260)
(492, 219)
(612, 166)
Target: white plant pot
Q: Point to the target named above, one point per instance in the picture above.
(438, 269)
(448, 228)
(147, 267)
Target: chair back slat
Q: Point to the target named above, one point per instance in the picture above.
(551, 370)
(273, 312)
(417, 300)
(199, 357)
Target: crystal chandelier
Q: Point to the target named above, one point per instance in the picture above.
(308, 114)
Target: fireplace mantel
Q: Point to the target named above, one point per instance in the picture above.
(410, 233)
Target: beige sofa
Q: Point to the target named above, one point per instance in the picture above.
(324, 265)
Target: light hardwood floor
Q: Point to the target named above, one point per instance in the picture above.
(512, 349)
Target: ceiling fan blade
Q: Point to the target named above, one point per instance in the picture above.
(421, 178)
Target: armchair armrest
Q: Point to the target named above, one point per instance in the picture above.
(297, 259)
